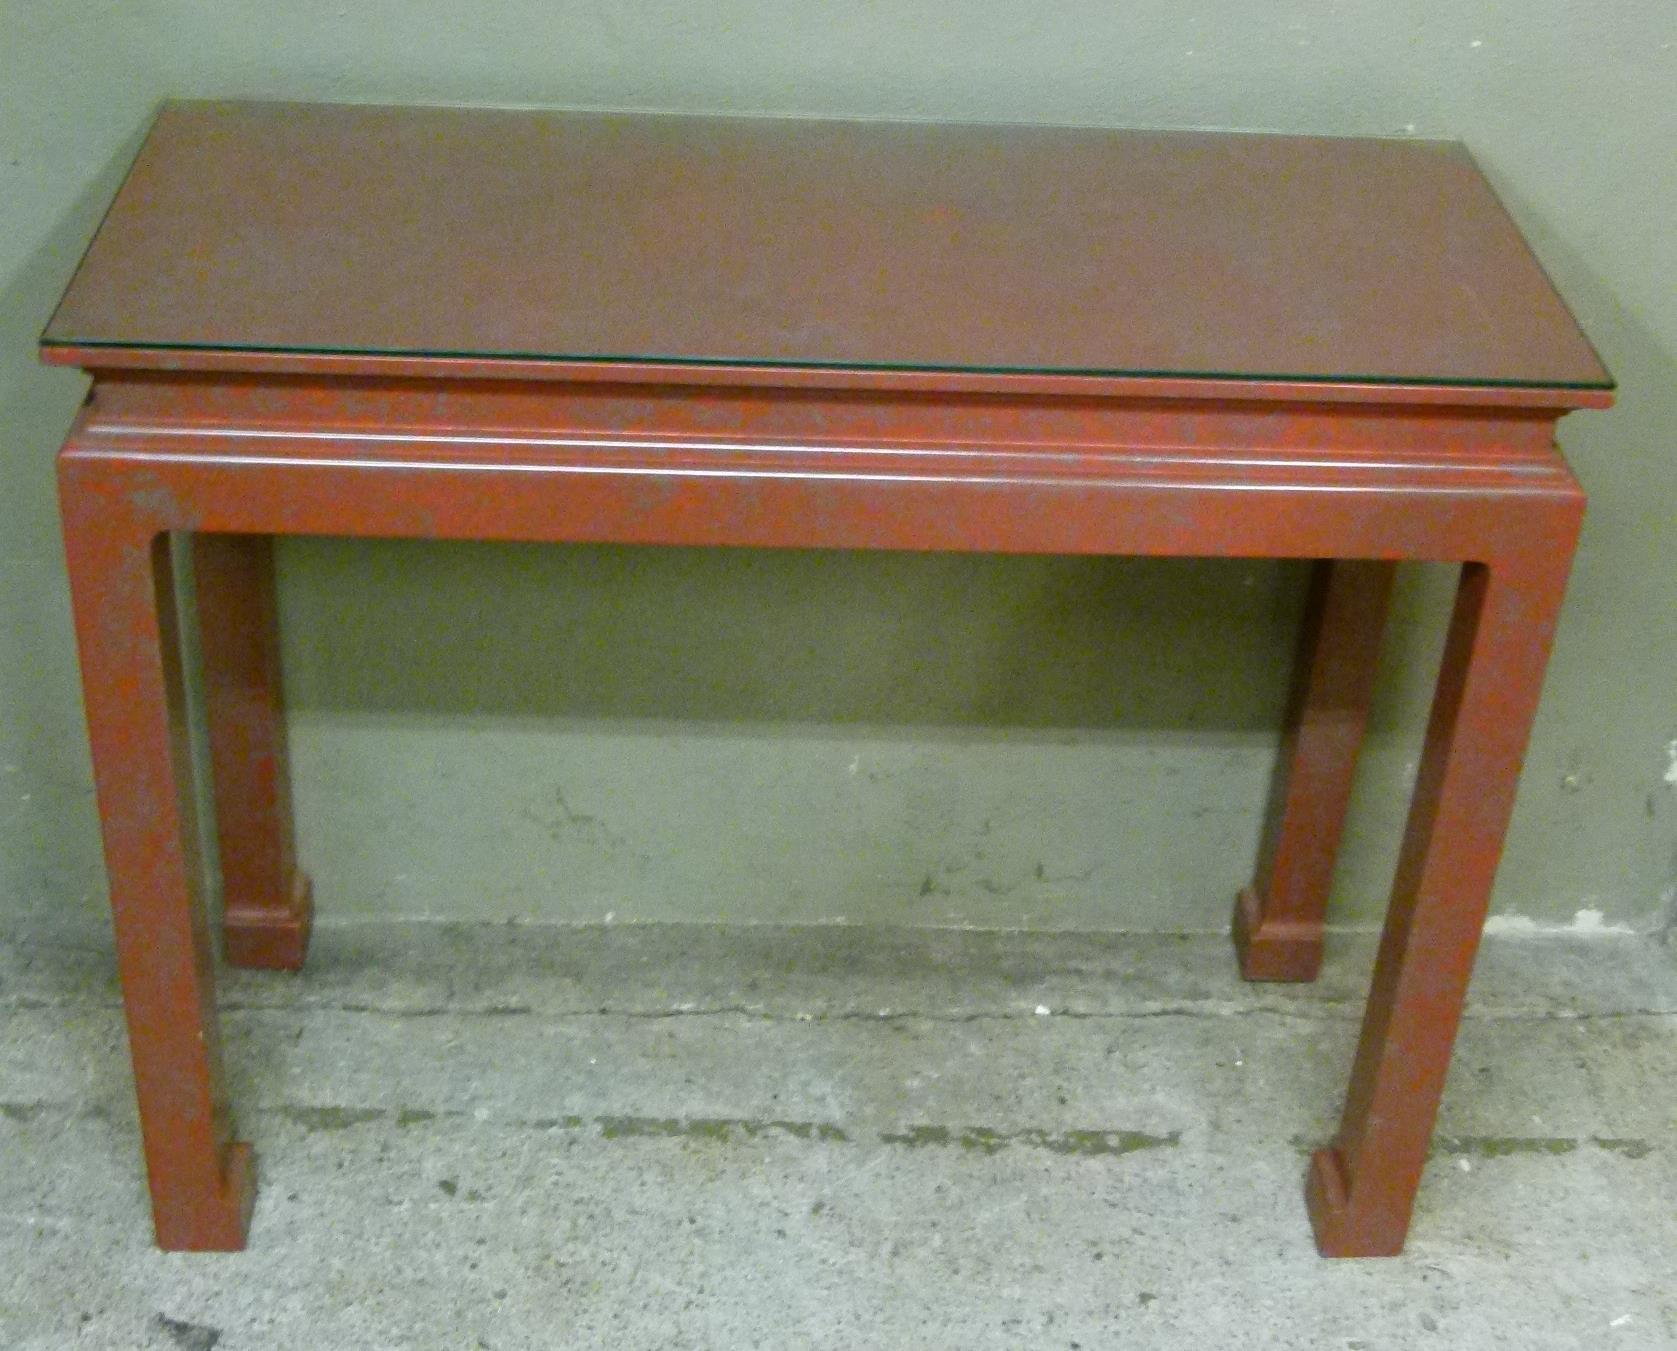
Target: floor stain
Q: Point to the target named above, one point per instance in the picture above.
(1631, 1149)
(738, 1130)
(719, 1129)
(1508, 1146)
(331, 1118)
(988, 1140)
(974, 1139)
(1502, 1146)
(187, 1336)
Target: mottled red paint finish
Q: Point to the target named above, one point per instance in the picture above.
(234, 447)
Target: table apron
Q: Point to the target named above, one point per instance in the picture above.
(1203, 505)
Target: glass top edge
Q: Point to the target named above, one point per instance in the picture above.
(805, 117)
(50, 340)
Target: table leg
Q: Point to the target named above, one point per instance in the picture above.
(1278, 920)
(267, 906)
(122, 587)
(1362, 1188)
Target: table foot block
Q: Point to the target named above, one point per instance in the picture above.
(1340, 1230)
(1270, 951)
(270, 937)
(219, 1223)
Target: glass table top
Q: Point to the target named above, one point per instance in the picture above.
(326, 229)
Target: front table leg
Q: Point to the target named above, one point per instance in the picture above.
(267, 907)
(122, 588)
(1278, 920)
(1361, 1189)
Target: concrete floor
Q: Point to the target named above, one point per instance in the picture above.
(672, 1137)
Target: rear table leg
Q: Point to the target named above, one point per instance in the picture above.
(267, 906)
(1278, 920)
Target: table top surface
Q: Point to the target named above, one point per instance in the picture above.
(778, 242)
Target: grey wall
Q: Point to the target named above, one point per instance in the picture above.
(567, 733)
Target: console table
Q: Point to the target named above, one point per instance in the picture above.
(498, 325)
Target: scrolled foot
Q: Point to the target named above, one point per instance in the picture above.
(268, 937)
(1271, 951)
(1341, 1230)
(218, 1223)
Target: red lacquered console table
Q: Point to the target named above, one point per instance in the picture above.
(452, 324)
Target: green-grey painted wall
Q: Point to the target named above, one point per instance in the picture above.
(570, 733)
